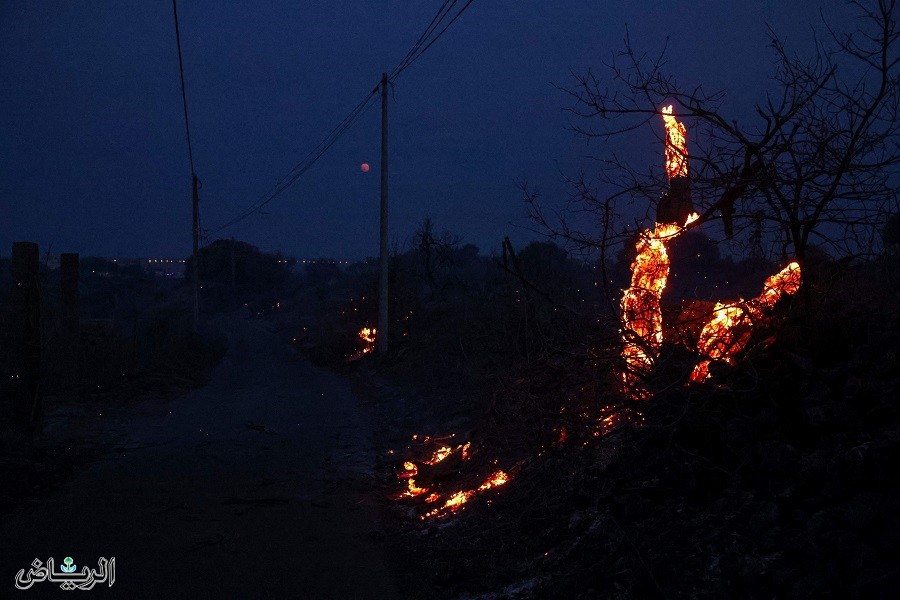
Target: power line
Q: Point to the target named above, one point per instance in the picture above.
(435, 21)
(305, 164)
(323, 146)
(187, 126)
(422, 44)
(433, 40)
(195, 182)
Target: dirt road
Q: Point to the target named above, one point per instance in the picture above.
(255, 486)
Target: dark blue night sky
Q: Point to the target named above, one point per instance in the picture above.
(92, 150)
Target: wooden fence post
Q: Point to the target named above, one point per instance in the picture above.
(25, 306)
(69, 330)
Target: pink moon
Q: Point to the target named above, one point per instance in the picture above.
(364, 167)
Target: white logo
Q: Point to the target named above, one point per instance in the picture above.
(66, 577)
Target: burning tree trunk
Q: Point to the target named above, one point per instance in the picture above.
(641, 312)
(675, 206)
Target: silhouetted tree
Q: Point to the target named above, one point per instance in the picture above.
(232, 271)
(436, 252)
(815, 168)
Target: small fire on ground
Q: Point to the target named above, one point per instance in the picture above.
(432, 493)
(461, 497)
(366, 337)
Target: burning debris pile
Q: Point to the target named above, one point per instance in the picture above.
(427, 478)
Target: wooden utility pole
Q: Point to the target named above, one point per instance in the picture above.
(195, 258)
(195, 183)
(25, 305)
(233, 271)
(381, 338)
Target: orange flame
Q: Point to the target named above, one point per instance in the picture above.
(498, 478)
(641, 312)
(787, 281)
(676, 145)
(440, 454)
(410, 470)
(464, 451)
(459, 498)
(731, 326)
(412, 489)
(367, 335)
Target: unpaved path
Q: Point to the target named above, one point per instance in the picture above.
(255, 486)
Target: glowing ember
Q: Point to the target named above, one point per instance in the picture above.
(676, 145)
(455, 501)
(412, 489)
(452, 504)
(445, 451)
(410, 469)
(464, 451)
(498, 478)
(611, 423)
(367, 336)
(719, 340)
(787, 281)
(731, 326)
(440, 454)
